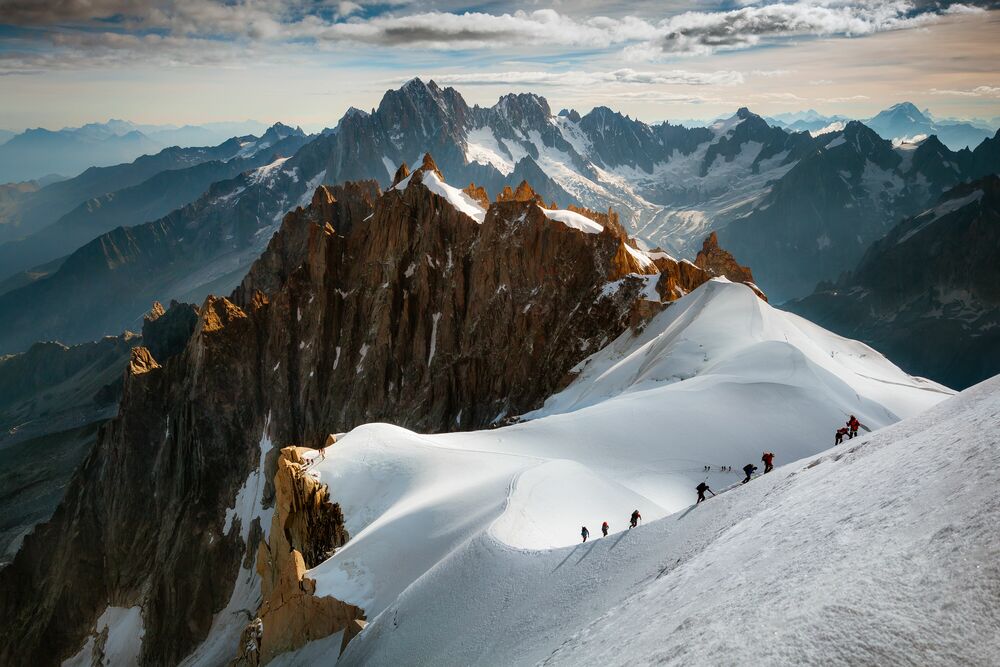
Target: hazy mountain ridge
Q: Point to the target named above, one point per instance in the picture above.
(926, 294)
(37, 152)
(152, 198)
(819, 219)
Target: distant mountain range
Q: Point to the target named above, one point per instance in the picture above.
(900, 121)
(39, 152)
(820, 217)
(53, 221)
(804, 121)
(905, 120)
(928, 293)
(802, 208)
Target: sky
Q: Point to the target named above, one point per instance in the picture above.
(69, 62)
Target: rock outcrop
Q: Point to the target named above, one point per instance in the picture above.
(365, 307)
(718, 262)
(306, 529)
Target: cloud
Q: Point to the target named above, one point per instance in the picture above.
(784, 98)
(584, 78)
(172, 30)
(849, 98)
(664, 97)
(978, 91)
(705, 32)
(346, 8)
(540, 29)
(771, 73)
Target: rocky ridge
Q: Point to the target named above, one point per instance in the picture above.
(801, 208)
(366, 306)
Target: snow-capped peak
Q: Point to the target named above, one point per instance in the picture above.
(459, 200)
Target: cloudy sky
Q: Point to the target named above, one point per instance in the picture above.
(66, 62)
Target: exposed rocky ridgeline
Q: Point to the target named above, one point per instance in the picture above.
(418, 306)
(799, 207)
(306, 528)
(928, 294)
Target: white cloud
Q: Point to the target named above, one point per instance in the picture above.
(705, 32)
(849, 98)
(786, 98)
(978, 91)
(346, 8)
(284, 26)
(585, 78)
(771, 73)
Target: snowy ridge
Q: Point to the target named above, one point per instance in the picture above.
(855, 556)
(729, 188)
(573, 220)
(635, 429)
(455, 196)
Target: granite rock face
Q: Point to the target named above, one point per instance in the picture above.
(366, 306)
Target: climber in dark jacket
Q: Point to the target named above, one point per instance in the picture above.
(749, 469)
(701, 489)
(584, 533)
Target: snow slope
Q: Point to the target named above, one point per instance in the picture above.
(714, 380)
(880, 551)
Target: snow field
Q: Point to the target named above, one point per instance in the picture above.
(716, 379)
(880, 551)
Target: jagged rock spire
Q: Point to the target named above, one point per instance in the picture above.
(401, 173)
(524, 192)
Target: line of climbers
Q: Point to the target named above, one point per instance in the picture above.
(749, 469)
(633, 522)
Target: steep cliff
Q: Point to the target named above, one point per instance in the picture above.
(418, 306)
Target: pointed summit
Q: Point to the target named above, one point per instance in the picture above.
(429, 165)
(401, 173)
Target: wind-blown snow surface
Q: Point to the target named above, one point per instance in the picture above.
(458, 548)
(880, 551)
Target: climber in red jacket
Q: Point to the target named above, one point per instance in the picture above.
(853, 424)
(768, 459)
